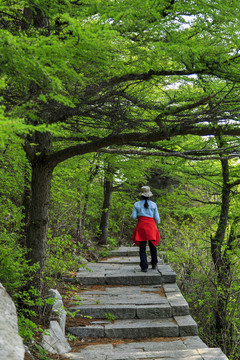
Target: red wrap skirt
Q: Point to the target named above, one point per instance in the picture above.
(145, 230)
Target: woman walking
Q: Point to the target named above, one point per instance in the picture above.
(146, 212)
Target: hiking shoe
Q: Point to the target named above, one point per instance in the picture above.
(154, 266)
(144, 270)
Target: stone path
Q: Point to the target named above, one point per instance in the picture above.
(128, 304)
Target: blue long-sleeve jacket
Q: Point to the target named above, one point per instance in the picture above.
(140, 210)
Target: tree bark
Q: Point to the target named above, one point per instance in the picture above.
(82, 210)
(80, 229)
(26, 202)
(39, 209)
(221, 262)
(104, 223)
(34, 17)
(38, 219)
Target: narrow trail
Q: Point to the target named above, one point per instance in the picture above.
(135, 315)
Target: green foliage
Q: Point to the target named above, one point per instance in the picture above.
(41, 353)
(109, 317)
(62, 255)
(27, 328)
(187, 239)
(28, 319)
(104, 252)
(15, 271)
(134, 68)
(71, 337)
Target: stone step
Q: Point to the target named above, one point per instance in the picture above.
(129, 302)
(107, 352)
(118, 274)
(132, 260)
(138, 328)
(132, 251)
(127, 305)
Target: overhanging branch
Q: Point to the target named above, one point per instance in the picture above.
(179, 154)
(128, 138)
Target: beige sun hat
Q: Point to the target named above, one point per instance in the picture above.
(146, 192)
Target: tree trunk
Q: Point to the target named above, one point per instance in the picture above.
(80, 227)
(104, 223)
(220, 261)
(82, 210)
(34, 16)
(26, 202)
(39, 208)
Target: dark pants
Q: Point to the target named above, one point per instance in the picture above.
(143, 255)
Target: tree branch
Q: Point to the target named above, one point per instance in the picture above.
(178, 109)
(183, 155)
(127, 138)
(234, 183)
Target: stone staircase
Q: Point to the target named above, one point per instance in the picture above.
(146, 310)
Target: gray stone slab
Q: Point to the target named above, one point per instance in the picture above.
(107, 348)
(95, 331)
(86, 356)
(135, 328)
(175, 297)
(212, 354)
(131, 251)
(164, 350)
(175, 344)
(55, 341)
(187, 326)
(91, 293)
(162, 346)
(133, 279)
(144, 299)
(11, 343)
(138, 302)
(168, 288)
(154, 311)
(131, 301)
(134, 309)
(163, 355)
(126, 302)
(113, 274)
(130, 356)
(179, 309)
(132, 260)
(116, 290)
(99, 311)
(152, 288)
(142, 328)
(178, 303)
(125, 251)
(194, 342)
(90, 280)
(148, 300)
